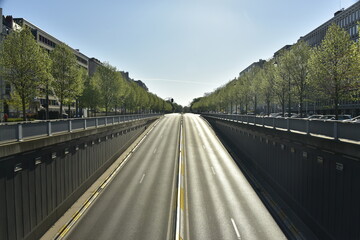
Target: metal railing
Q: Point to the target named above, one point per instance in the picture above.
(23, 130)
(332, 129)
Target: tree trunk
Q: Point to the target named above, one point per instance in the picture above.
(255, 104)
(61, 108)
(69, 110)
(47, 102)
(23, 108)
(336, 108)
(301, 106)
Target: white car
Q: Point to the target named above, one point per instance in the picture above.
(353, 120)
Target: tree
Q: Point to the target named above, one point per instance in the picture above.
(334, 66)
(24, 64)
(284, 80)
(108, 85)
(298, 60)
(266, 86)
(254, 81)
(244, 87)
(67, 78)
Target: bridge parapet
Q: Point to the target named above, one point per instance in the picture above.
(317, 176)
(315, 127)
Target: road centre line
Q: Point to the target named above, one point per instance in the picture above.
(235, 228)
(142, 178)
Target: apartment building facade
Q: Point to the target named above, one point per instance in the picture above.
(48, 42)
(345, 18)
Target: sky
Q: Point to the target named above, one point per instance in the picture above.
(179, 48)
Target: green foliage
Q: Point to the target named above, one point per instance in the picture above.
(24, 64)
(68, 80)
(334, 66)
(108, 85)
(298, 60)
(266, 85)
(329, 71)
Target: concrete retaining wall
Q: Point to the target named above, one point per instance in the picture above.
(318, 178)
(37, 186)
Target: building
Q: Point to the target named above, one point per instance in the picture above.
(47, 42)
(260, 64)
(345, 18)
(93, 65)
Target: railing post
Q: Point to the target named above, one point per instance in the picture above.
(20, 132)
(70, 125)
(119, 119)
(49, 133)
(85, 124)
(105, 121)
(96, 122)
(263, 121)
(273, 122)
(288, 124)
(307, 127)
(113, 121)
(336, 137)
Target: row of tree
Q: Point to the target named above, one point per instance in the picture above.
(32, 72)
(329, 71)
(109, 90)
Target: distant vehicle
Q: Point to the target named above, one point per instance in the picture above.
(341, 117)
(275, 114)
(295, 115)
(327, 117)
(353, 120)
(315, 116)
(286, 115)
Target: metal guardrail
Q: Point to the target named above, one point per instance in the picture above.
(19, 131)
(332, 129)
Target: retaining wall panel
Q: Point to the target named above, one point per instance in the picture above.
(25, 202)
(10, 206)
(322, 187)
(3, 209)
(18, 206)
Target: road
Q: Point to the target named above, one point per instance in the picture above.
(140, 202)
(220, 203)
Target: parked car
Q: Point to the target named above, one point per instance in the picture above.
(327, 117)
(315, 116)
(295, 115)
(353, 120)
(275, 114)
(342, 117)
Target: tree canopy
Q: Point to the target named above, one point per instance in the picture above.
(24, 65)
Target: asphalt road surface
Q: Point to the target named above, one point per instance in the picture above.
(220, 203)
(140, 202)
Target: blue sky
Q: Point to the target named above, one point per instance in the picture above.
(180, 49)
